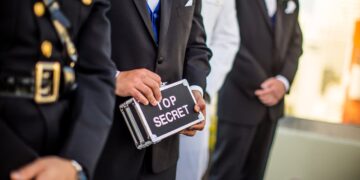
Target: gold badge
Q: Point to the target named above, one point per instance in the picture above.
(39, 9)
(87, 2)
(46, 48)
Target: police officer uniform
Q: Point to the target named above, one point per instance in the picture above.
(56, 81)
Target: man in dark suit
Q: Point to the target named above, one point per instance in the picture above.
(52, 127)
(251, 99)
(153, 41)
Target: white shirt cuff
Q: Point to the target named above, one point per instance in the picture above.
(117, 73)
(284, 81)
(197, 88)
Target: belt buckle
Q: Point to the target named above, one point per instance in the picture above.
(49, 92)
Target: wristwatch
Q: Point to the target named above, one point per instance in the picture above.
(80, 171)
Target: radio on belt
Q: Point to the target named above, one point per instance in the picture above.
(175, 112)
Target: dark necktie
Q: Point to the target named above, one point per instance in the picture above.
(155, 20)
(273, 17)
(273, 20)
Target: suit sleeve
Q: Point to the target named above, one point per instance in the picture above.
(224, 44)
(249, 73)
(197, 56)
(293, 54)
(14, 152)
(94, 100)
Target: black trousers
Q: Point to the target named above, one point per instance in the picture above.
(147, 173)
(241, 151)
(121, 160)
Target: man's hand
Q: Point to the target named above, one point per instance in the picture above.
(46, 168)
(141, 84)
(200, 106)
(273, 90)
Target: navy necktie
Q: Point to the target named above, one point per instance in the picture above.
(273, 20)
(270, 5)
(155, 20)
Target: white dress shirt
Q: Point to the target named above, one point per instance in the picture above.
(152, 4)
(271, 7)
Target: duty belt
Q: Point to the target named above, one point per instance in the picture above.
(43, 85)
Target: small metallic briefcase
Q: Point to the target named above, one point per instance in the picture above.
(175, 112)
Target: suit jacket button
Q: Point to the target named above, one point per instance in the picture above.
(46, 48)
(87, 2)
(160, 60)
(39, 9)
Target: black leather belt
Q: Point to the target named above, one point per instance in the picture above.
(19, 86)
(43, 86)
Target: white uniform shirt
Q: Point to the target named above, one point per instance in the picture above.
(223, 39)
(223, 35)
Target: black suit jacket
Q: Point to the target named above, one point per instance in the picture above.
(181, 53)
(77, 125)
(266, 50)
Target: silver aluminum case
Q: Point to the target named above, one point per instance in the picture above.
(143, 140)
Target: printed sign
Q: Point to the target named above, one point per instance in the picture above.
(175, 110)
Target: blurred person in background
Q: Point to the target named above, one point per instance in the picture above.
(56, 88)
(222, 29)
(251, 100)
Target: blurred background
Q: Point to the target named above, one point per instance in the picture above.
(327, 85)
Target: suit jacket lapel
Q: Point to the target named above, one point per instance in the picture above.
(264, 11)
(143, 11)
(166, 7)
(279, 25)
